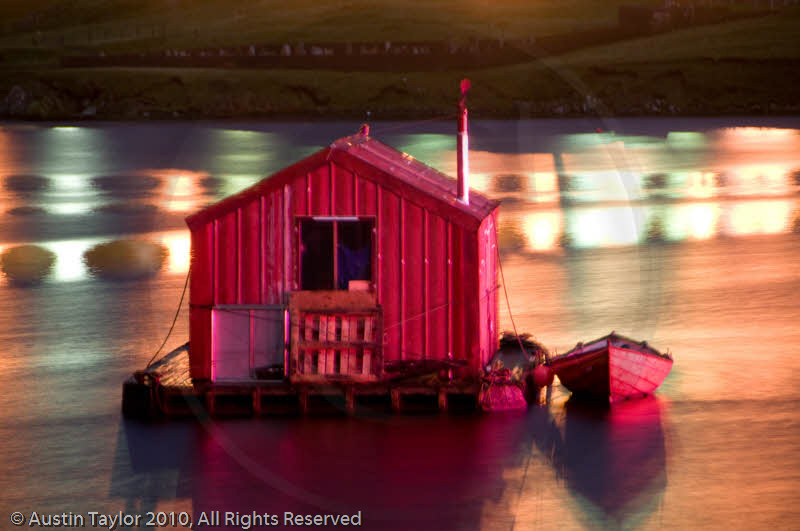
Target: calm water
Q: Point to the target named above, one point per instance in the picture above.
(681, 232)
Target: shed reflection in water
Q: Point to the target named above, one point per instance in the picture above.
(401, 472)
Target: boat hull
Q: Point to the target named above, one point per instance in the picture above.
(632, 373)
(611, 372)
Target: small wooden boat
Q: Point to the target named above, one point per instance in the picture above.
(612, 368)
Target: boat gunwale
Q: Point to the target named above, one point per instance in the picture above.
(586, 348)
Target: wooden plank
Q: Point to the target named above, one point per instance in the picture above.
(368, 338)
(343, 192)
(403, 286)
(312, 345)
(320, 191)
(354, 358)
(330, 354)
(426, 286)
(294, 341)
(414, 256)
(200, 337)
(227, 256)
(334, 301)
(307, 355)
(273, 248)
(323, 333)
(366, 200)
(287, 251)
(202, 265)
(369, 321)
(378, 353)
(344, 354)
(437, 309)
(390, 285)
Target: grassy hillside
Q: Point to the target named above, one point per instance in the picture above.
(118, 25)
(741, 67)
(773, 37)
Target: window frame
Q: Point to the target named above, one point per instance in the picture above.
(334, 220)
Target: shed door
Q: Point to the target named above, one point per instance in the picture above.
(245, 340)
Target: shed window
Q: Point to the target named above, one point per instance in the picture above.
(334, 252)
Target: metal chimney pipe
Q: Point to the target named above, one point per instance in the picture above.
(463, 145)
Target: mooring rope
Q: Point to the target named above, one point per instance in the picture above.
(505, 291)
(174, 320)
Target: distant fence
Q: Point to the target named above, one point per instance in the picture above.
(370, 56)
(634, 21)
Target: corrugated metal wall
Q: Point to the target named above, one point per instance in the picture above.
(436, 280)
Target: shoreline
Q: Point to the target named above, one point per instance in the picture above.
(355, 117)
(537, 90)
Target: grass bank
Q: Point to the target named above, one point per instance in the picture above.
(741, 67)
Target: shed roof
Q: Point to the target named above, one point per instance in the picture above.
(377, 162)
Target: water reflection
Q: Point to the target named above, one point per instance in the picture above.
(181, 190)
(605, 166)
(605, 227)
(126, 209)
(126, 186)
(543, 230)
(614, 458)
(69, 264)
(72, 343)
(757, 217)
(25, 185)
(178, 244)
(548, 230)
(149, 463)
(380, 466)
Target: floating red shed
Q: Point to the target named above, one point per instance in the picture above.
(353, 257)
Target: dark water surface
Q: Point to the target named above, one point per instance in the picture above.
(681, 232)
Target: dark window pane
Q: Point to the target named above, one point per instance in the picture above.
(354, 252)
(316, 251)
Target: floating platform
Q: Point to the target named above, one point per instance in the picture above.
(164, 389)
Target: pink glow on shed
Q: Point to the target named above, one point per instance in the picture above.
(433, 258)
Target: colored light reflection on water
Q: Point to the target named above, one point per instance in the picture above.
(178, 244)
(695, 457)
(700, 185)
(758, 217)
(243, 152)
(758, 179)
(69, 265)
(543, 230)
(69, 209)
(694, 221)
(234, 183)
(71, 185)
(181, 190)
(605, 227)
